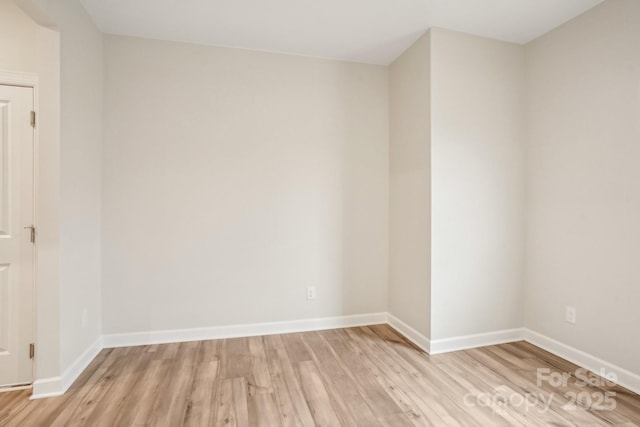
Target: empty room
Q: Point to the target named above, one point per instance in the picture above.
(319, 213)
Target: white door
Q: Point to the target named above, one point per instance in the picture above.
(16, 235)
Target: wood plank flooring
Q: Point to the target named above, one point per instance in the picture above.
(368, 376)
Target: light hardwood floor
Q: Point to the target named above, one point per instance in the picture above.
(367, 376)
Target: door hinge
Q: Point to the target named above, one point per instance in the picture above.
(33, 119)
(32, 235)
(32, 351)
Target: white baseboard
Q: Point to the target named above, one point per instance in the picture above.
(410, 333)
(80, 364)
(15, 388)
(466, 342)
(626, 379)
(235, 331)
(57, 386)
(455, 343)
(47, 387)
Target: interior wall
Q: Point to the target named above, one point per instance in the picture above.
(410, 187)
(19, 39)
(77, 184)
(233, 180)
(477, 184)
(29, 48)
(80, 177)
(583, 202)
(48, 206)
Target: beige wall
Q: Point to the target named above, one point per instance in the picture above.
(48, 206)
(410, 187)
(80, 177)
(19, 40)
(232, 180)
(457, 185)
(477, 184)
(583, 203)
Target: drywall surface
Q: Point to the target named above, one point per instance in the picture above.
(19, 40)
(583, 205)
(48, 206)
(410, 187)
(233, 180)
(79, 175)
(477, 184)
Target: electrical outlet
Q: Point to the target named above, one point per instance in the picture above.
(571, 315)
(311, 293)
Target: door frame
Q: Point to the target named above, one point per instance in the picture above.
(30, 80)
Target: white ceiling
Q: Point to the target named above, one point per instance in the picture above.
(371, 31)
